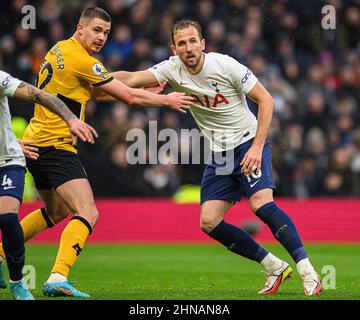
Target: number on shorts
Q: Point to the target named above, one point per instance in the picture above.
(7, 182)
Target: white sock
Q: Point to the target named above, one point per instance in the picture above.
(304, 266)
(271, 263)
(56, 277)
(11, 281)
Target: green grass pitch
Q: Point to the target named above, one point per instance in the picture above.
(184, 271)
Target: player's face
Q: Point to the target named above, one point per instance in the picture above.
(94, 35)
(189, 47)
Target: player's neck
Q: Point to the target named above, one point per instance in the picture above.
(76, 36)
(198, 68)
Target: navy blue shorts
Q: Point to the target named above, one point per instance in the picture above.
(224, 181)
(12, 180)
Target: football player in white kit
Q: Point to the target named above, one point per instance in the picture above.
(12, 171)
(220, 85)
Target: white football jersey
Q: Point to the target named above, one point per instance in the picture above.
(10, 151)
(220, 109)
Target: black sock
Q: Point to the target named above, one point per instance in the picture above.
(13, 243)
(283, 229)
(238, 241)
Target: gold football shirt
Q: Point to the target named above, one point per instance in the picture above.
(68, 72)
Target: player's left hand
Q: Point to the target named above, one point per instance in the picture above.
(252, 161)
(80, 129)
(157, 89)
(28, 150)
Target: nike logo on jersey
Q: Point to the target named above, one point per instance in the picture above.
(253, 184)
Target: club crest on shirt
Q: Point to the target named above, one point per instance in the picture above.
(215, 85)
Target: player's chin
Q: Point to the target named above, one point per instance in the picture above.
(192, 64)
(96, 49)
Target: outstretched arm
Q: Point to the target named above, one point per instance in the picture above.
(78, 128)
(118, 90)
(138, 79)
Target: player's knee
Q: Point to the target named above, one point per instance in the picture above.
(55, 215)
(208, 223)
(257, 202)
(254, 207)
(91, 214)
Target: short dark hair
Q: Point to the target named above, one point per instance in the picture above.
(91, 13)
(183, 24)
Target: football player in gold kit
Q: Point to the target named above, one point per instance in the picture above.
(69, 72)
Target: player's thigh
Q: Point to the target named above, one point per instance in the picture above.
(78, 196)
(55, 207)
(9, 204)
(216, 185)
(212, 212)
(259, 186)
(12, 180)
(260, 198)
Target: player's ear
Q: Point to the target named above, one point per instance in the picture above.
(79, 28)
(173, 49)
(202, 44)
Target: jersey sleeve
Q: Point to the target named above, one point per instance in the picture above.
(8, 84)
(242, 77)
(161, 71)
(93, 71)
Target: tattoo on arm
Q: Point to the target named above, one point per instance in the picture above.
(28, 92)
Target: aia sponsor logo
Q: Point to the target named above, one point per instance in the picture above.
(218, 99)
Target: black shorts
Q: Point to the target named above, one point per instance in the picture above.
(55, 167)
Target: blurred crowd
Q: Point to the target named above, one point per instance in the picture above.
(312, 73)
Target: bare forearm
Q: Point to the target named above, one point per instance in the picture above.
(147, 99)
(139, 79)
(28, 92)
(264, 120)
(125, 77)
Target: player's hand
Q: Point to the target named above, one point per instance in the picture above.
(252, 161)
(157, 89)
(178, 101)
(80, 129)
(28, 150)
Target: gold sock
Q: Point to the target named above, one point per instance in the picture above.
(32, 224)
(71, 244)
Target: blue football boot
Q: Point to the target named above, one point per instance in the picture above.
(20, 292)
(2, 276)
(62, 289)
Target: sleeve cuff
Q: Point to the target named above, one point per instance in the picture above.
(103, 82)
